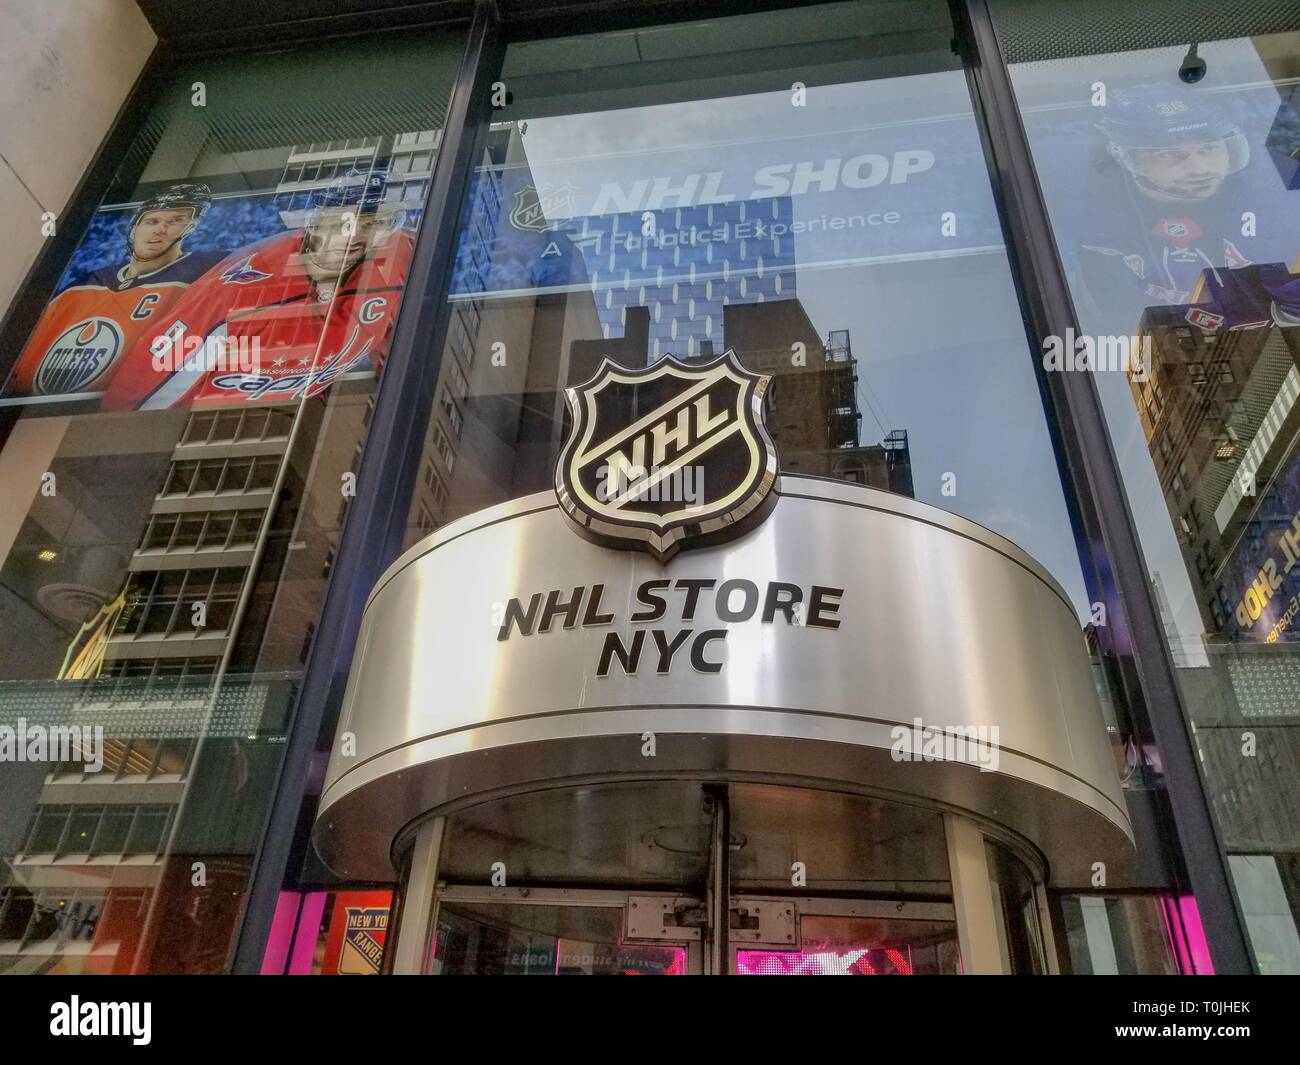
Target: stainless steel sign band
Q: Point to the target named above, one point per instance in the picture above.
(488, 663)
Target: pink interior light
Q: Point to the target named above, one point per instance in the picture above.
(1187, 935)
(851, 961)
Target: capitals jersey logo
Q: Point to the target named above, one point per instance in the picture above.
(297, 344)
(243, 273)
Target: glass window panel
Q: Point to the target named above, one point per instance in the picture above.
(253, 426)
(264, 471)
(179, 478)
(1175, 206)
(235, 476)
(246, 526)
(47, 829)
(227, 425)
(227, 220)
(209, 476)
(147, 830)
(160, 532)
(199, 428)
(188, 530)
(114, 827)
(217, 530)
(614, 214)
(545, 941)
(81, 829)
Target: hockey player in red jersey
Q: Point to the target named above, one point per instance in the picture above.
(281, 319)
(80, 340)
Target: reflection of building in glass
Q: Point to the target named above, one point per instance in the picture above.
(407, 159)
(1219, 413)
(527, 284)
(813, 412)
(101, 866)
(97, 864)
(696, 263)
(812, 404)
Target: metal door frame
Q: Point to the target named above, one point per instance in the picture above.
(608, 898)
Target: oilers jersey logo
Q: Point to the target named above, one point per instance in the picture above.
(78, 357)
(243, 273)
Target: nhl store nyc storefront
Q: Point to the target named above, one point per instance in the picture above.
(652, 518)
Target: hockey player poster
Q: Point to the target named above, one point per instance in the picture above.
(187, 299)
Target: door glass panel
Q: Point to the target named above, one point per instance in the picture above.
(503, 940)
(831, 945)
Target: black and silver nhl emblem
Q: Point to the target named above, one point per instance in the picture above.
(671, 456)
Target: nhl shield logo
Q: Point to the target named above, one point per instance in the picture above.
(671, 456)
(533, 208)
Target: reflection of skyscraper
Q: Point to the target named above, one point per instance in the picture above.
(813, 412)
(812, 404)
(407, 160)
(103, 851)
(540, 297)
(1220, 413)
(687, 266)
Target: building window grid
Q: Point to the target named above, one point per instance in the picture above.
(146, 834)
(161, 602)
(217, 530)
(190, 477)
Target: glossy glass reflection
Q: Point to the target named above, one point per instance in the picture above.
(1175, 203)
(179, 428)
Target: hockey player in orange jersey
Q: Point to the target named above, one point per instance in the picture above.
(80, 340)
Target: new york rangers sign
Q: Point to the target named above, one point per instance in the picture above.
(671, 456)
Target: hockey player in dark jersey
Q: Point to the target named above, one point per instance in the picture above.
(78, 344)
(1175, 197)
(283, 318)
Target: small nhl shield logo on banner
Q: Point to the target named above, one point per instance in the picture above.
(537, 210)
(667, 457)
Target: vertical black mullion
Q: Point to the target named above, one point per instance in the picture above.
(1100, 497)
(376, 519)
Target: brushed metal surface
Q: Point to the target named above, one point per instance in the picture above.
(940, 619)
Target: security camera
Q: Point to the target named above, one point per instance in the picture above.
(1193, 67)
